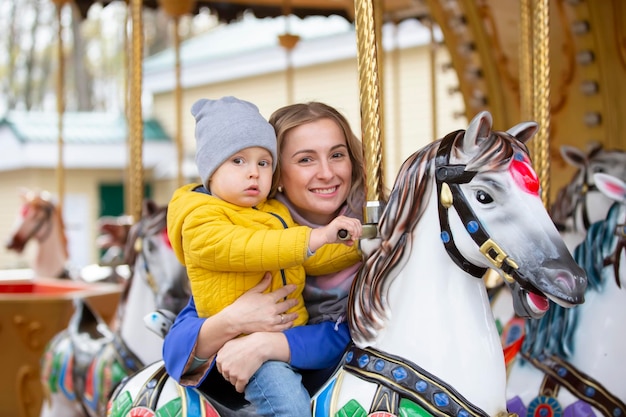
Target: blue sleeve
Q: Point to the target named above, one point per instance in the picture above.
(317, 346)
(181, 340)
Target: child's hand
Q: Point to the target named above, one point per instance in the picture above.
(331, 232)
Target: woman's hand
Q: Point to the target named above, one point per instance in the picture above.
(252, 312)
(256, 348)
(255, 311)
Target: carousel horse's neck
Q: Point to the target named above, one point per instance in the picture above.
(51, 260)
(449, 311)
(145, 344)
(603, 315)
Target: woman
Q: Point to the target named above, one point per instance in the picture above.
(319, 176)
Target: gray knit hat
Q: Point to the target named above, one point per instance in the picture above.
(225, 127)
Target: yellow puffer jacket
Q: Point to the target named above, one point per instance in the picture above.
(227, 249)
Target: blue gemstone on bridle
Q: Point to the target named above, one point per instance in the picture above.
(421, 386)
(561, 371)
(364, 360)
(617, 412)
(399, 373)
(441, 399)
(518, 157)
(349, 357)
(379, 365)
(445, 237)
(472, 226)
(590, 391)
(463, 413)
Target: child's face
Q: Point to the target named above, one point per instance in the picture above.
(245, 178)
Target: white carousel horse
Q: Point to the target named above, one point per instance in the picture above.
(424, 334)
(580, 204)
(577, 205)
(82, 364)
(573, 362)
(39, 219)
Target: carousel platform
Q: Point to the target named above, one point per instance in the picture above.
(32, 311)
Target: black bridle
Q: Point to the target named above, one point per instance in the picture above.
(47, 210)
(449, 179)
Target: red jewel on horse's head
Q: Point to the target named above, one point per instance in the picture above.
(524, 175)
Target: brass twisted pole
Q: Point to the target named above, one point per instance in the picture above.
(180, 149)
(60, 172)
(526, 68)
(136, 122)
(369, 96)
(176, 9)
(541, 94)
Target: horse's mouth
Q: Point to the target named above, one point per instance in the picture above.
(528, 303)
(539, 304)
(16, 245)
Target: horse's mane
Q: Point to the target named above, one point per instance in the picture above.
(409, 197)
(40, 200)
(153, 221)
(554, 333)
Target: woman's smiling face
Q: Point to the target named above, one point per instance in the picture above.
(316, 170)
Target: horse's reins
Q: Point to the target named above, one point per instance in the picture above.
(47, 210)
(559, 372)
(583, 190)
(448, 178)
(397, 377)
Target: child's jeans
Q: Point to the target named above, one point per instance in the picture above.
(276, 390)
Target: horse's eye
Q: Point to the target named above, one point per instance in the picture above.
(483, 197)
(151, 246)
(598, 169)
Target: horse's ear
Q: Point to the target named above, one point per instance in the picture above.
(479, 127)
(574, 156)
(523, 131)
(613, 187)
(23, 192)
(149, 207)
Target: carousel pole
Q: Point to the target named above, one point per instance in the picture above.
(176, 9)
(433, 78)
(526, 68)
(60, 172)
(368, 55)
(288, 41)
(135, 113)
(541, 93)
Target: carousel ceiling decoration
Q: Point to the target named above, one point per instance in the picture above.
(231, 10)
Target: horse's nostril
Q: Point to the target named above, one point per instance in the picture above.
(565, 280)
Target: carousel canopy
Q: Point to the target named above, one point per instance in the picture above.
(230, 10)
(91, 140)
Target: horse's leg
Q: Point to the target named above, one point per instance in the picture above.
(59, 405)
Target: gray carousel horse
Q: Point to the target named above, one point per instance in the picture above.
(425, 341)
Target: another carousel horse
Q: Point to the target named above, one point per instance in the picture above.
(580, 204)
(425, 338)
(84, 363)
(577, 205)
(573, 362)
(39, 219)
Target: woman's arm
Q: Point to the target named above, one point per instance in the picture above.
(315, 346)
(191, 336)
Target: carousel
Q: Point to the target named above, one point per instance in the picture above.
(528, 202)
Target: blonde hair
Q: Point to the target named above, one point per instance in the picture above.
(294, 115)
